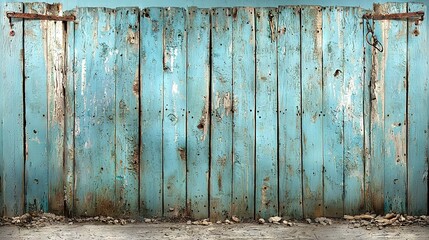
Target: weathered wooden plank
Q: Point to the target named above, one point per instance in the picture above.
(127, 43)
(418, 145)
(333, 111)
(266, 201)
(353, 112)
(2, 81)
(395, 130)
(367, 100)
(12, 113)
(221, 116)
(174, 122)
(289, 123)
(376, 167)
(243, 45)
(152, 110)
(95, 112)
(55, 86)
(36, 110)
(312, 147)
(69, 119)
(198, 119)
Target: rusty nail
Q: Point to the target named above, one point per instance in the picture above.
(12, 33)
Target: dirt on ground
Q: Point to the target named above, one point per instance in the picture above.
(341, 230)
(365, 226)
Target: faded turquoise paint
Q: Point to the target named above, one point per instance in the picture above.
(95, 112)
(69, 118)
(395, 130)
(312, 146)
(198, 118)
(174, 121)
(152, 110)
(375, 188)
(243, 179)
(289, 112)
(418, 115)
(353, 100)
(368, 94)
(36, 110)
(221, 117)
(363, 112)
(266, 186)
(55, 68)
(127, 44)
(11, 113)
(333, 111)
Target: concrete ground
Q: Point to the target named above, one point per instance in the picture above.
(215, 231)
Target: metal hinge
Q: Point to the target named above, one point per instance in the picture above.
(370, 35)
(34, 16)
(418, 16)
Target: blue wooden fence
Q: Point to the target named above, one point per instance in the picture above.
(193, 112)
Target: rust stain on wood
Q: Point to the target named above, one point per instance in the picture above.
(219, 181)
(182, 153)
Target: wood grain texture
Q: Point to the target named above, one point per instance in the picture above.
(36, 110)
(289, 113)
(353, 100)
(243, 46)
(312, 147)
(127, 85)
(198, 118)
(69, 119)
(55, 48)
(266, 185)
(395, 130)
(12, 145)
(95, 112)
(333, 111)
(418, 117)
(174, 122)
(152, 110)
(375, 189)
(221, 113)
(368, 94)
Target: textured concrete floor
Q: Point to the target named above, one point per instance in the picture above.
(215, 231)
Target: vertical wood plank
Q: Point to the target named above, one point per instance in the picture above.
(353, 112)
(312, 147)
(367, 95)
(417, 114)
(36, 109)
(244, 114)
(127, 111)
(333, 111)
(12, 113)
(266, 202)
(221, 116)
(198, 121)
(152, 110)
(289, 120)
(55, 86)
(376, 167)
(395, 70)
(69, 118)
(174, 122)
(95, 112)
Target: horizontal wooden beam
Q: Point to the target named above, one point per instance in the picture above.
(34, 16)
(395, 16)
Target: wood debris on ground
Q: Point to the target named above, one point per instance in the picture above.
(390, 219)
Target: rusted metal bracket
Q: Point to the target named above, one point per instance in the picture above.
(418, 16)
(34, 16)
